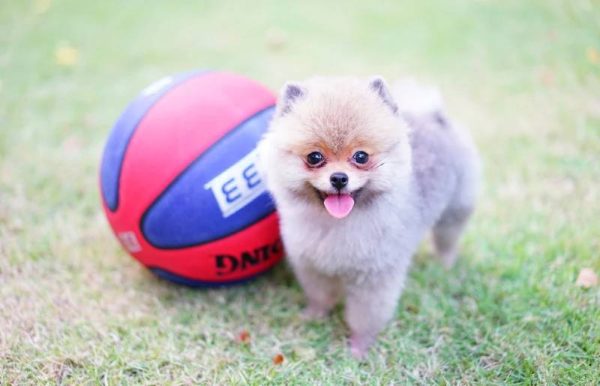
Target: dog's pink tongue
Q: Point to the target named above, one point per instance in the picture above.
(339, 205)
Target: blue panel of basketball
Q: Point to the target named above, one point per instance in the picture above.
(187, 213)
(114, 151)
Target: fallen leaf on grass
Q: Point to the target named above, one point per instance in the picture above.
(593, 55)
(587, 278)
(243, 337)
(276, 39)
(66, 55)
(547, 77)
(41, 6)
(278, 359)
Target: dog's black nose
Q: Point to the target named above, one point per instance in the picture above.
(339, 180)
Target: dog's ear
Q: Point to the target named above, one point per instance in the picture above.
(290, 94)
(377, 84)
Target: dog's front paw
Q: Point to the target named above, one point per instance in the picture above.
(313, 312)
(359, 345)
(448, 258)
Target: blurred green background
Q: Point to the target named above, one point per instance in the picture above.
(523, 75)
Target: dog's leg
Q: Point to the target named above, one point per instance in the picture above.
(322, 292)
(447, 232)
(368, 309)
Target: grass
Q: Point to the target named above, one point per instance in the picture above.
(525, 76)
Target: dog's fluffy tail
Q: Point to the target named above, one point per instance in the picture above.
(417, 99)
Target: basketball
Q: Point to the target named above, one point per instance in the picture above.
(179, 184)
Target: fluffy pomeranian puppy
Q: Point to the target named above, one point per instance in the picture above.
(359, 176)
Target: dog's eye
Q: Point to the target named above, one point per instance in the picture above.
(315, 158)
(360, 157)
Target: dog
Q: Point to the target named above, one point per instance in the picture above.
(360, 173)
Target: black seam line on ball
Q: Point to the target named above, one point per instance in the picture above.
(180, 175)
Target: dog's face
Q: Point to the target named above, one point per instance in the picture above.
(335, 143)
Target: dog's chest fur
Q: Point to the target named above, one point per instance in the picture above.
(379, 238)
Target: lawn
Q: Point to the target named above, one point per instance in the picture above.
(524, 76)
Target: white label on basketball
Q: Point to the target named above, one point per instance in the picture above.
(237, 186)
(129, 241)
